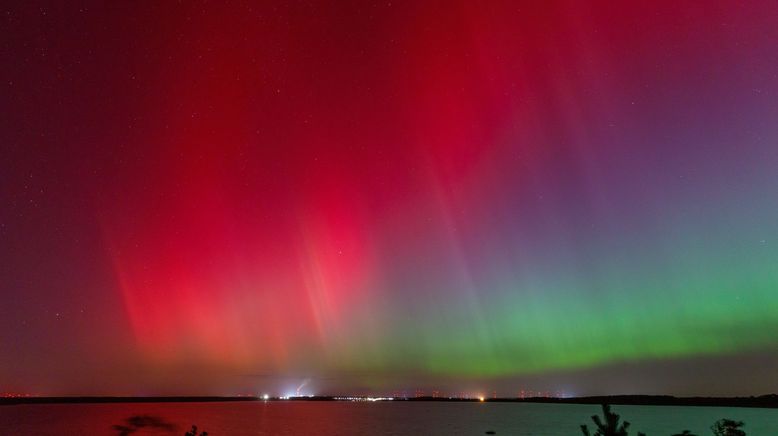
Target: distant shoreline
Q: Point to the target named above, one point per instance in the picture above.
(763, 401)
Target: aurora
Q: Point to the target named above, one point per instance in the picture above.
(223, 198)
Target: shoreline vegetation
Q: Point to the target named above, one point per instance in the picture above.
(611, 425)
(762, 401)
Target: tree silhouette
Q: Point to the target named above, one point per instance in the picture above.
(611, 425)
(685, 433)
(728, 427)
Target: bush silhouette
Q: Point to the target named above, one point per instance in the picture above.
(137, 423)
(611, 425)
(728, 427)
(193, 432)
(685, 433)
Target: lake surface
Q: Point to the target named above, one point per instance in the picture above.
(295, 418)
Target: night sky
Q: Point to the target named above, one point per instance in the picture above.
(372, 197)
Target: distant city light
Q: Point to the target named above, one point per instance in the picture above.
(481, 399)
(266, 397)
(364, 399)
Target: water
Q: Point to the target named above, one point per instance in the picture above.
(375, 419)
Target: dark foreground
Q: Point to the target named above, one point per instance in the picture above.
(364, 418)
